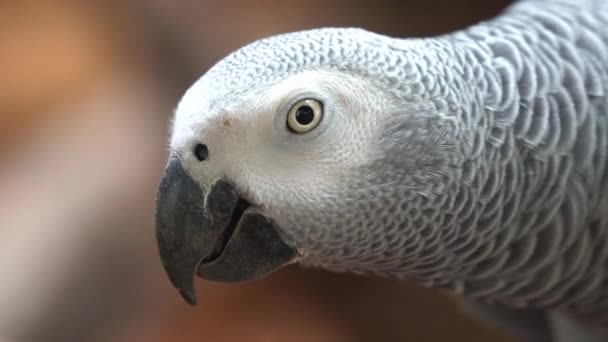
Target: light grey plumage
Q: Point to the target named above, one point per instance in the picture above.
(480, 156)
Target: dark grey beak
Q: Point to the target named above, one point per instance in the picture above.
(218, 235)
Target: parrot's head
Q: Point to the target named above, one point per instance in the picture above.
(304, 147)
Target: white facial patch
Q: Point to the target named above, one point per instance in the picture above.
(250, 144)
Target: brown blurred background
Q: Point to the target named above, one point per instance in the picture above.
(86, 92)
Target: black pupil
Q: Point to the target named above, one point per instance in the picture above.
(201, 152)
(305, 115)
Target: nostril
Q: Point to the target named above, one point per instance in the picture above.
(201, 152)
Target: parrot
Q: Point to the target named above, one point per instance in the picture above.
(473, 162)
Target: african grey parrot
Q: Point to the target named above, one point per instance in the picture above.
(473, 162)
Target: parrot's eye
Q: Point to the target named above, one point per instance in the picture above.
(304, 116)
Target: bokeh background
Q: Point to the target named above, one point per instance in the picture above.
(86, 92)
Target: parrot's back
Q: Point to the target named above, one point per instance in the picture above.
(538, 160)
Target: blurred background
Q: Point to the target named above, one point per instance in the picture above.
(86, 92)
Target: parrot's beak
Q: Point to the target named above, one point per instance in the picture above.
(216, 234)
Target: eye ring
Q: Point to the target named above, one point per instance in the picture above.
(304, 116)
